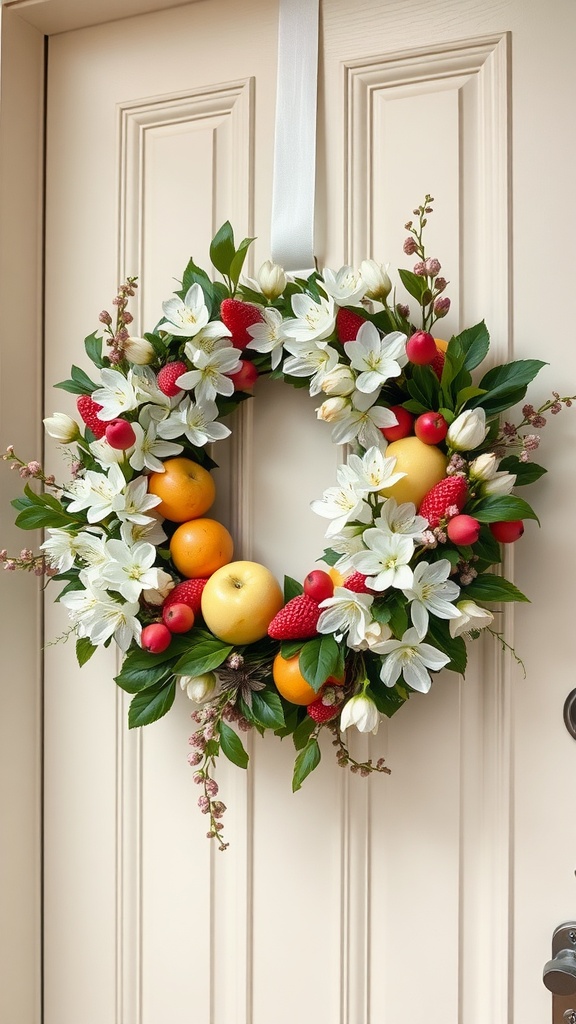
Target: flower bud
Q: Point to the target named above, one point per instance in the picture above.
(62, 428)
(501, 483)
(139, 351)
(471, 616)
(441, 307)
(199, 688)
(484, 467)
(340, 381)
(272, 280)
(375, 277)
(332, 409)
(166, 583)
(468, 430)
(361, 712)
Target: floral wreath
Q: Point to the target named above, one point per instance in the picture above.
(416, 521)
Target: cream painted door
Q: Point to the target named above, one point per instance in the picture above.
(432, 894)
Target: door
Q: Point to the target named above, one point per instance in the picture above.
(432, 893)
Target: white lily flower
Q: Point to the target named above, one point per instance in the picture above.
(271, 280)
(340, 381)
(310, 360)
(157, 595)
(501, 483)
(347, 543)
(385, 563)
(411, 658)
(374, 471)
(395, 518)
(92, 550)
(361, 712)
(342, 503)
(116, 396)
(145, 384)
(268, 335)
(150, 450)
(197, 421)
(96, 492)
(377, 359)
(139, 351)
(431, 591)
(467, 431)
(346, 286)
(105, 454)
(470, 616)
(150, 531)
(62, 548)
(135, 502)
(346, 612)
(185, 318)
(199, 688)
(376, 633)
(375, 277)
(98, 616)
(363, 420)
(130, 570)
(62, 428)
(209, 378)
(313, 321)
(215, 335)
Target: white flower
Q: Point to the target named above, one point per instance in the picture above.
(145, 384)
(363, 420)
(375, 277)
(410, 658)
(377, 359)
(61, 548)
(431, 591)
(158, 594)
(340, 381)
(199, 688)
(385, 563)
(342, 503)
(92, 550)
(345, 286)
(105, 454)
(376, 633)
(470, 616)
(116, 396)
(139, 351)
(313, 321)
(130, 570)
(332, 409)
(484, 467)
(150, 450)
(214, 335)
(374, 471)
(185, 318)
(96, 492)
(209, 378)
(198, 422)
(310, 360)
(268, 336)
(134, 502)
(467, 431)
(98, 616)
(395, 518)
(501, 483)
(347, 543)
(346, 612)
(361, 712)
(271, 279)
(62, 427)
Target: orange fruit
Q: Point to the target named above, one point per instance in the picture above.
(290, 682)
(187, 490)
(441, 345)
(336, 577)
(201, 546)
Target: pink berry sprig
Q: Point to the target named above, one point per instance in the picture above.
(26, 561)
(29, 470)
(510, 436)
(434, 304)
(118, 336)
(345, 759)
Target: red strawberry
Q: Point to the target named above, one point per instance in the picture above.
(189, 592)
(357, 583)
(237, 317)
(88, 408)
(322, 712)
(437, 364)
(348, 324)
(452, 490)
(168, 376)
(296, 620)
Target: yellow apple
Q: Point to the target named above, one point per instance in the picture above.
(424, 465)
(187, 490)
(239, 602)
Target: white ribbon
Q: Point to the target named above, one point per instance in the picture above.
(292, 230)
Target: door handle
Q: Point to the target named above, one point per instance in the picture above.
(559, 974)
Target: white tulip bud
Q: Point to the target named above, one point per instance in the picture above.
(501, 483)
(484, 467)
(139, 351)
(199, 688)
(340, 381)
(471, 616)
(468, 430)
(375, 277)
(272, 280)
(332, 409)
(62, 428)
(361, 712)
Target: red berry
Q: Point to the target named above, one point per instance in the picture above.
(357, 583)
(431, 428)
(463, 530)
(188, 592)
(507, 533)
(321, 712)
(179, 617)
(297, 620)
(421, 348)
(238, 317)
(245, 378)
(156, 638)
(88, 410)
(404, 426)
(120, 434)
(437, 363)
(318, 585)
(348, 324)
(168, 376)
(452, 490)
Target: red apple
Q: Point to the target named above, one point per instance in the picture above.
(463, 530)
(431, 427)
(404, 426)
(178, 617)
(156, 637)
(245, 378)
(318, 585)
(508, 532)
(120, 434)
(421, 348)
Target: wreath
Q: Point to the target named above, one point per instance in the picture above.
(417, 520)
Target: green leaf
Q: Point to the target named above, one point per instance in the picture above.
(454, 647)
(320, 658)
(238, 260)
(303, 732)
(195, 275)
(413, 405)
(141, 669)
(73, 388)
(388, 700)
(267, 709)
(502, 509)
(82, 379)
(222, 249)
(330, 556)
(492, 588)
(475, 343)
(413, 283)
(84, 650)
(506, 384)
(231, 745)
(36, 517)
(308, 759)
(93, 346)
(291, 589)
(398, 620)
(205, 652)
(289, 648)
(487, 549)
(465, 394)
(152, 704)
(526, 472)
(380, 610)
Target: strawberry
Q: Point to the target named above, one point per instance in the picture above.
(437, 364)
(348, 324)
(296, 620)
(188, 592)
(88, 409)
(168, 376)
(452, 490)
(237, 317)
(322, 712)
(357, 583)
